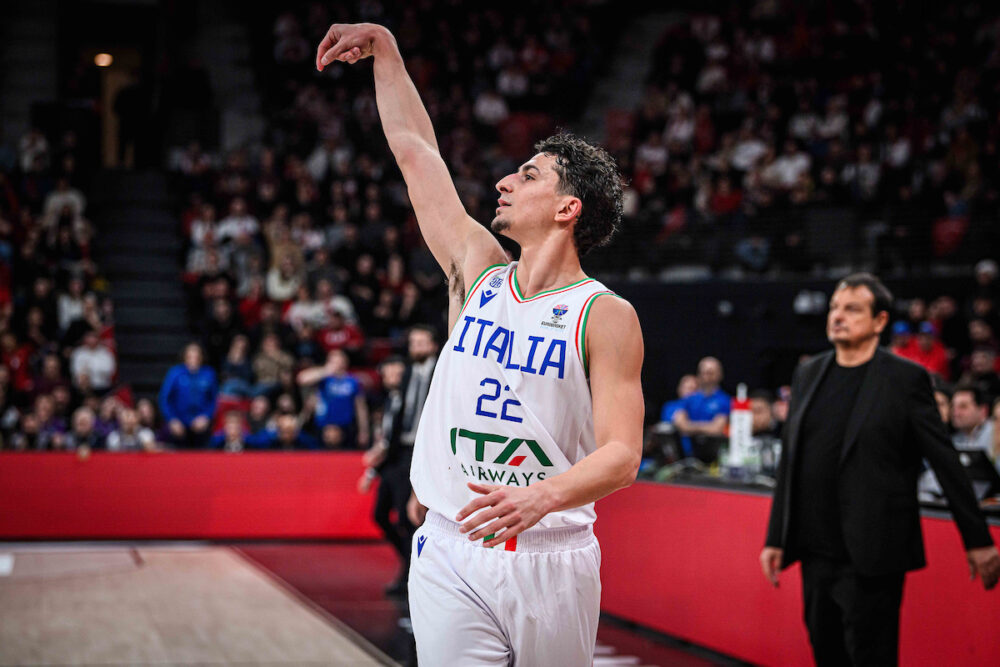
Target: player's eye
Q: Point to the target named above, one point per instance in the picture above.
(528, 178)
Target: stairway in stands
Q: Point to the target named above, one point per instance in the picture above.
(137, 247)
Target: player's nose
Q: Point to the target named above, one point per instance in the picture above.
(504, 184)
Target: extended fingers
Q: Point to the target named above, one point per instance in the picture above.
(478, 504)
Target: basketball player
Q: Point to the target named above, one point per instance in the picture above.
(535, 410)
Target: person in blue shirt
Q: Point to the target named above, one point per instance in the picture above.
(706, 411)
(340, 400)
(187, 399)
(688, 385)
(286, 435)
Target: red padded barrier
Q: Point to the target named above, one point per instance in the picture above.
(683, 561)
(201, 495)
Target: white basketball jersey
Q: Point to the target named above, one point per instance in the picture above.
(510, 400)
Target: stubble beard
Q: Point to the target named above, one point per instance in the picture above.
(499, 225)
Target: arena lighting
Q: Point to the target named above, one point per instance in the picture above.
(103, 60)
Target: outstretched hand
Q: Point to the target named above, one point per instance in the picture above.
(513, 510)
(347, 43)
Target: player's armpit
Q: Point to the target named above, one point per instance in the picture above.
(615, 352)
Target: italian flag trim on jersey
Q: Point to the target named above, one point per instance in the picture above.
(581, 328)
(516, 290)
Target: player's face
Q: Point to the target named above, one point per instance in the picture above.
(850, 321)
(528, 199)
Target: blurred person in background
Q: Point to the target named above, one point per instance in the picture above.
(942, 397)
(287, 435)
(236, 373)
(92, 365)
(686, 386)
(983, 371)
(706, 411)
(187, 399)
(131, 435)
(234, 433)
(82, 435)
(339, 398)
(970, 416)
(928, 351)
(269, 363)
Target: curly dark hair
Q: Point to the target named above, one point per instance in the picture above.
(587, 172)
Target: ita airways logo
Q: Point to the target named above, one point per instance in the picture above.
(420, 544)
(557, 314)
(512, 451)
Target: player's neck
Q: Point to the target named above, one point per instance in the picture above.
(547, 266)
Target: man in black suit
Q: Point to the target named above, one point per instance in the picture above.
(860, 421)
(406, 391)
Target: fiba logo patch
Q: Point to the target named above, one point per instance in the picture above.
(557, 312)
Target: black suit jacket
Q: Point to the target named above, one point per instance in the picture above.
(397, 451)
(894, 424)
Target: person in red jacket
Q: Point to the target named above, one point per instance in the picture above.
(929, 351)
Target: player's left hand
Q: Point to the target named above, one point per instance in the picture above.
(511, 509)
(985, 561)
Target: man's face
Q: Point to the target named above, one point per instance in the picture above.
(965, 414)
(850, 321)
(709, 373)
(288, 428)
(761, 410)
(982, 362)
(687, 386)
(421, 345)
(392, 375)
(530, 199)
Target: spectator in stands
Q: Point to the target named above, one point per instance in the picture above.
(983, 371)
(234, 433)
(340, 335)
(283, 280)
(64, 198)
(928, 351)
(706, 411)
(942, 396)
(971, 419)
(131, 435)
(269, 363)
(340, 399)
(83, 435)
(187, 399)
(70, 303)
(146, 410)
(287, 435)
(238, 222)
(902, 339)
(218, 332)
(763, 416)
(259, 417)
(236, 373)
(92, 365)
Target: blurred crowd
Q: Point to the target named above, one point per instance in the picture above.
(59, 371)
(878, 120)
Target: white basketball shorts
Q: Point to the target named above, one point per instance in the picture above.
(534, 600)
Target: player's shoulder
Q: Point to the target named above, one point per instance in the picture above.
(611, 317)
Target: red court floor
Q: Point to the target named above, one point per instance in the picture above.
(347, 580)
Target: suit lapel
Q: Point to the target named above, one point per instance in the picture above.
(871, 388)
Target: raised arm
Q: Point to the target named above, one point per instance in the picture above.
(460, 244)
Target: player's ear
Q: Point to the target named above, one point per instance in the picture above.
(569, 209)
